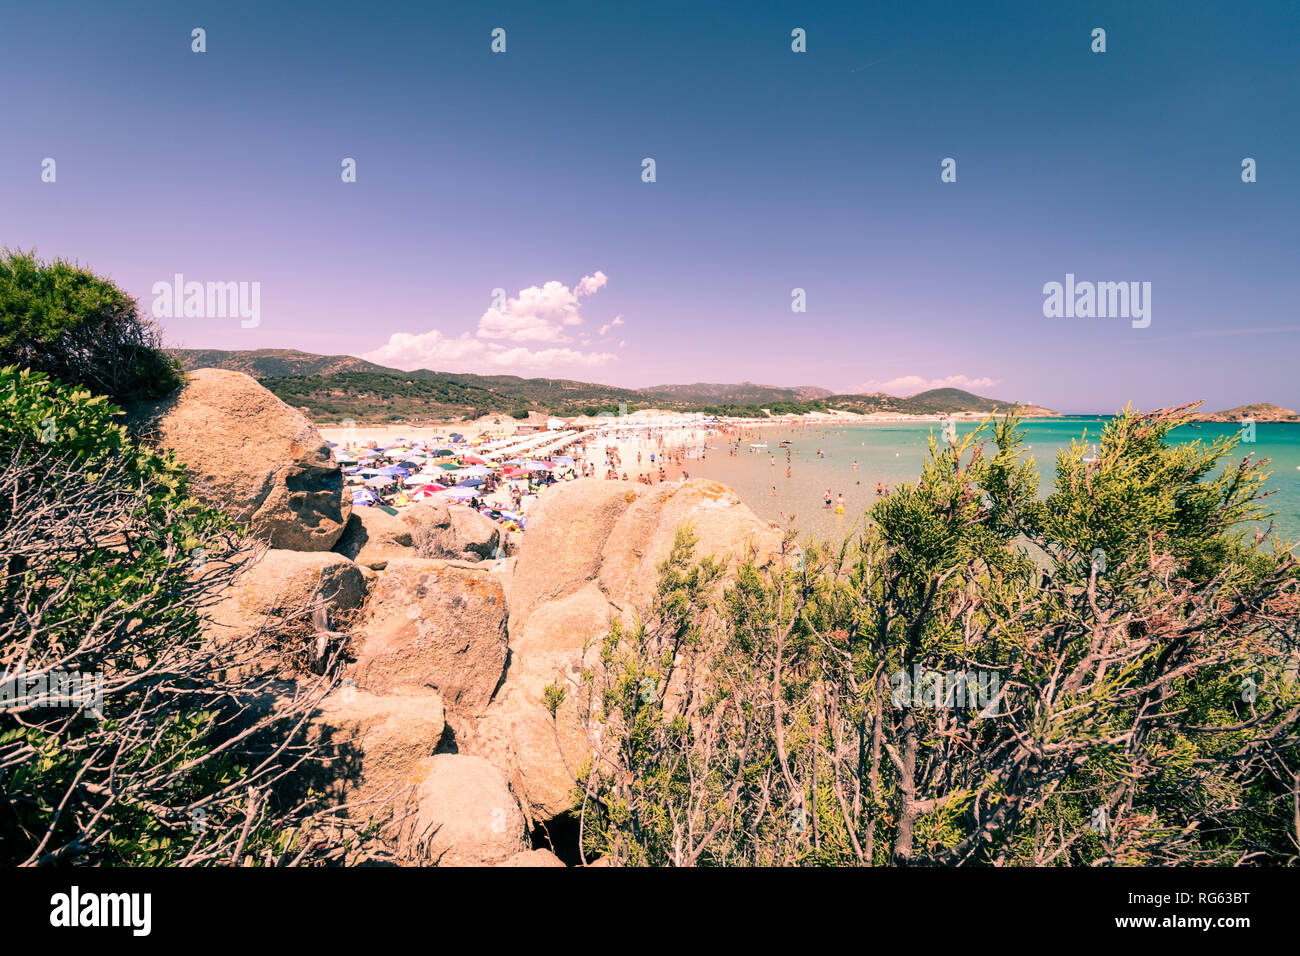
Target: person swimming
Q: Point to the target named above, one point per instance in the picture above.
(828, 497)
(839, 504)
(880, 489)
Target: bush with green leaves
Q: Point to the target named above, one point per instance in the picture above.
(981, 677)
(165, 752)
(65, 321)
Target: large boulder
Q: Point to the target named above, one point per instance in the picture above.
(591, 555)
(253, 456)
(516, 733)
(279, 591)
(434, 624)
(372, 746)
(442, 530)
(566, 535)
(374, 536)
(465, 814)
(643, 537)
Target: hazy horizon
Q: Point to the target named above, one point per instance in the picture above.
(499, 223)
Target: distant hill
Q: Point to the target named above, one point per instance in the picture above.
(745, 393)
(1260, 412)
(330, 388)
(936, 401)
(274, 363)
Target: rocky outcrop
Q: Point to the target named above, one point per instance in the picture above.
(465, 814)
(253, 456)
(591, 554)
(434, 624)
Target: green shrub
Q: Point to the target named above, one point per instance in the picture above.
(65, 321)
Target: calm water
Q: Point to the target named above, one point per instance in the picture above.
(894, 453)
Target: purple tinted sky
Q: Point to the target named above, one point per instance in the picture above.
(775, 170)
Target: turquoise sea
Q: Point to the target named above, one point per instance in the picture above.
(893, 453)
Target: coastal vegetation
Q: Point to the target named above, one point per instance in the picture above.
(127, 735)
(928, 693)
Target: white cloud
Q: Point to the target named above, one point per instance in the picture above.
(538, 315)
(589, 284)
(911, 384)
(618, 320)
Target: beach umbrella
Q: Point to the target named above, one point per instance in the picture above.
(537, 466)
(459, 494)
(442, 452)
(343, 458)
(563, 460)
(414, 480)
(513, 473)
(367, 472)
(479, 470)
(393, 471)
(379, 481)
(473, 460)
(431, 487)
(513, 461)
(450, 467)
(471, 483)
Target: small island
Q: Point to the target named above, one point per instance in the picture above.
(1258, 412)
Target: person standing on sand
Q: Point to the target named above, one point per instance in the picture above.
(787, 471)
(839, 504)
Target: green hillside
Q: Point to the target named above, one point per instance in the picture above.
(330, 388)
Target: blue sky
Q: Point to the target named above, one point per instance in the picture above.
(775, 170)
